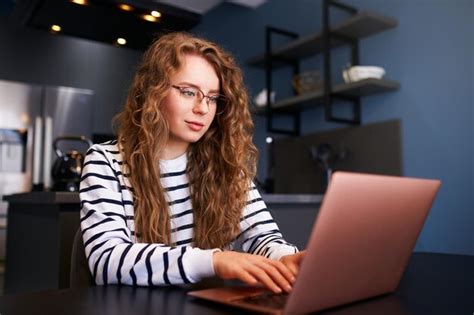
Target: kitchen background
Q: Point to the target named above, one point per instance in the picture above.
(430, 52)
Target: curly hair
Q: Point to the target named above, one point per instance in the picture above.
(221, 165)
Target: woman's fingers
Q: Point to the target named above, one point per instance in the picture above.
(262, 276)
(276, 275)
(284, 270)
(292, 267)
(293, 262)
(251, 269)
(246, 277)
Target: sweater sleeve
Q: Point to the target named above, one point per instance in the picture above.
(112, 254)
(259, 232)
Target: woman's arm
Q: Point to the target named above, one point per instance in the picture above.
(112, 254)
(260, 234)
(263, 242)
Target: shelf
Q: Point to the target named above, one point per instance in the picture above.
(359, 88)
(360, 25)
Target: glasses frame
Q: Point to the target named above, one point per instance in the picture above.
(222, 100)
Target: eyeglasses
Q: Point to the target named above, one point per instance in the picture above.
(193, 93)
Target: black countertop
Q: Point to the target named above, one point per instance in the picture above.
(292, 198)
(45, 197)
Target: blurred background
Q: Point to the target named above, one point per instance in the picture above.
(416, 120)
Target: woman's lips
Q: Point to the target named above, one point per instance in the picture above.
(194, 125)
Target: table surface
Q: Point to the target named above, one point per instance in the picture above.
(432, 284)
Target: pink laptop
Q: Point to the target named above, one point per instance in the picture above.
(361, 242)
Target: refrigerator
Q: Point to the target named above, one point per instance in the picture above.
(31, 117)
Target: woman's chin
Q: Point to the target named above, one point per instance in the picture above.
(193, 138)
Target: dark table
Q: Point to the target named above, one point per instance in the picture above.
(432, 284)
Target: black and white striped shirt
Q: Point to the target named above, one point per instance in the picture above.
(107, 223)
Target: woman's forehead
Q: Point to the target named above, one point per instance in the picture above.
(198, 71)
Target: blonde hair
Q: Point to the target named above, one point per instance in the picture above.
(221, 164)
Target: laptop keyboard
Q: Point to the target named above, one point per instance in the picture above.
(267, 299)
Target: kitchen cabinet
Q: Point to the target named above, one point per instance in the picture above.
(40, 233)
(346, 33)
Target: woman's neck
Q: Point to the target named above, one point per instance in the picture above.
(172, 151)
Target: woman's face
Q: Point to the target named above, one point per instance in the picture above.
(189, 115)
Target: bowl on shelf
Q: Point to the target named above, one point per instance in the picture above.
(357, 73)
(307, 82)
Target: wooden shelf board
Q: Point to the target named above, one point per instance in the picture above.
(360, 88)
(361, 25)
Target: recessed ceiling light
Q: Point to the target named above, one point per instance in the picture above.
(149, 18)
(81, 2)
(156, 14)
(55, 28)
(125, 7)
(121, 41)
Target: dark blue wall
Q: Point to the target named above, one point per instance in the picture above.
(430, 53)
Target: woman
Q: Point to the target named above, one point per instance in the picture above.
(165, 203)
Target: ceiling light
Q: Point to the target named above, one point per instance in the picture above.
(125, 7)
(81, 2)
(121, 41)
(149, 18)
(156, 14)
(55, 28)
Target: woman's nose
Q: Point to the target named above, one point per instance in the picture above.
(201, 106)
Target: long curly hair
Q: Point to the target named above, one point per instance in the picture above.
(221, 165)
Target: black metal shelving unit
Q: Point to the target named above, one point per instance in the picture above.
(346, 33)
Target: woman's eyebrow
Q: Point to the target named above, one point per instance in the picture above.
(197, 86)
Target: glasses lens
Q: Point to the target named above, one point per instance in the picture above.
(189, 92)
(193, 93)
(222, 103)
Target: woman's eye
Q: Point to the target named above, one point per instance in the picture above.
(188, 93)
(213, 99)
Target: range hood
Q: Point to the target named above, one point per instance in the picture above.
(105, 20)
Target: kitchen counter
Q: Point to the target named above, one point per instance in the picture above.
(73, 197)
(292, 198)
(44, 197)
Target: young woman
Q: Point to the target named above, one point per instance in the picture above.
(165, 203)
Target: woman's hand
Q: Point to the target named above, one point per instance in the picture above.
(253, 269)
(293, 262)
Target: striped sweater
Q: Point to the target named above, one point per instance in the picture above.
(114, 254)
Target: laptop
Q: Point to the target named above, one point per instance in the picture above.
(359, 247)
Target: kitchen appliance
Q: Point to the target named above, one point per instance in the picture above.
(67, 168)
(31, 116)
(324, 155)
(327, 157)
